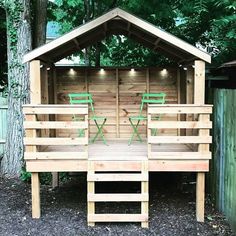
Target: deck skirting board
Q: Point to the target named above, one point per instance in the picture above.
(81, 165)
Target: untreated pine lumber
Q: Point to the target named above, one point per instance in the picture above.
(144, 190)
(199, 99)
(90, 190)
(35, 191)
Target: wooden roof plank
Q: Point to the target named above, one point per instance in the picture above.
(145, 27)
(164, 35)
(70, 36)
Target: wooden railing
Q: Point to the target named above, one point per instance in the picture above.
(38, 135)
(192, 128)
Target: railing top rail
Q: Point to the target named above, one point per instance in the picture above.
(179, 105)
(55, 109)
(179, 109)
(54, 105)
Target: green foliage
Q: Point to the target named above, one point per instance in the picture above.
(223, 30)
(44, 177)
(114, 51)
(3, 50)
(24, 175)
(13, 11)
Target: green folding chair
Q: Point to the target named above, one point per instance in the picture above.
(86, 98)
(147, 98)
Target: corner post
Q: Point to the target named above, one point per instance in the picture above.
(199, 99)
(35, 83)
(35, 98)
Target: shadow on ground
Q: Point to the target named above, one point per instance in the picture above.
(172, 210)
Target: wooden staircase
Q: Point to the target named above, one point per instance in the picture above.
(140, 175)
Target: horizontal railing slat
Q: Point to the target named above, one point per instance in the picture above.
(180, 124)
(180, 139)
(55, 155)
(55, 125)
(180, 155)
(55, 141)
(55, 109)
(176, 109)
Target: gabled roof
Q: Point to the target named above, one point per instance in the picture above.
(117, 22)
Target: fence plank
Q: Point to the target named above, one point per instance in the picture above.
(3, 123)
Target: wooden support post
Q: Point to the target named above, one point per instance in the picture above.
(86, 80)
(86, 133)
(91, 190)
(55, 175)
(35, 84)
(147, 80)
(178, 86)
(148, 91)
(189, 99)
(44, 97)
(189, 86)
(199, 99)
(144, 190)
(117, 105)
(199, 83)
(148, 135)
(178, 96)
(35, 98)
(200, 196)
(35, 191)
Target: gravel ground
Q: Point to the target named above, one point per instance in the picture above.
(64, 209)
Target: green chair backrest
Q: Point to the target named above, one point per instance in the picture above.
(82, 98)
(154, 98)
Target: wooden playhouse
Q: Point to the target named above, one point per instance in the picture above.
(182, 142)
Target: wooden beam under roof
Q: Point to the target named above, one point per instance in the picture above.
(143, 33)
(122, 17)
(76, 43)
(63, 51)
(69, 36)
(167, 54)
(105, 28)
(171, 52)
(156, 43)
(141, 41)
(128, 28)
(173, 40)
(83, 44)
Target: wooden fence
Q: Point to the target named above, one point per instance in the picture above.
(3, 123)
(223, 167)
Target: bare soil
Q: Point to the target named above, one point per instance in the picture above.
(172, 211)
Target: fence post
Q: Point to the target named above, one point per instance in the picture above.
(3, 124)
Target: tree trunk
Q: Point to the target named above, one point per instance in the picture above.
(40, 22)
(19, 43)
(89, 12)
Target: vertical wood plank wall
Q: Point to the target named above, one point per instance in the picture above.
(223, 167)
(116, 93)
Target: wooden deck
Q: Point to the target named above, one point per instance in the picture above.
(117, 156)
(120, 150)
(45, 151)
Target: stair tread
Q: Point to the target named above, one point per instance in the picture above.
(117, 177)
(117, 197)
(117, 217)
